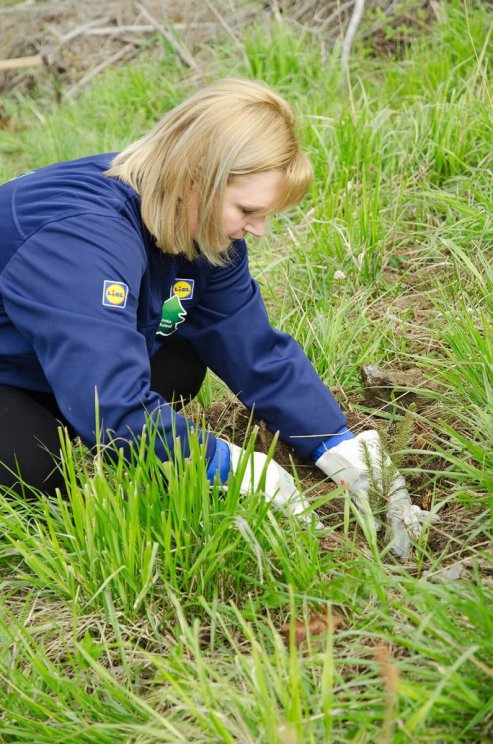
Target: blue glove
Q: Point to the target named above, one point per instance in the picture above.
(220, 465)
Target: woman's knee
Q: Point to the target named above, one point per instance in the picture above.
(177, 371)
(29, 443)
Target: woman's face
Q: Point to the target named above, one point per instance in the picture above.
(246, 201)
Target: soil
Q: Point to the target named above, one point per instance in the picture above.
(235, 423)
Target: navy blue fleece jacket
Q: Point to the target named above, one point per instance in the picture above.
(82, 291)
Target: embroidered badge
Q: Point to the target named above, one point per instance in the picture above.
(114, 294)
(172, 314)
(183, 288)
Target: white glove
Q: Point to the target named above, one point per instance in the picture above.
(346, 464)
(279, 486)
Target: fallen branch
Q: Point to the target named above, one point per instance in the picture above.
(336, 13)
(28, 8)
(16, 63)
(75, 32)
(347, 42)
(144, 28)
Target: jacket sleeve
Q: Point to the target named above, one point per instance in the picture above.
(53, 291)
(265, 368)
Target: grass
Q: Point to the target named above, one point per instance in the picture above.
(144, 606)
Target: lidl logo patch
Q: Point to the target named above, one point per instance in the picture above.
(183, 288)
(114, 294)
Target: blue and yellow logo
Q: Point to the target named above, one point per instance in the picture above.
(183, 288)
(114, 294)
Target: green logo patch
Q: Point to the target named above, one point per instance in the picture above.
(172, 314)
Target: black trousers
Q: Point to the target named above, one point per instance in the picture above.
(29, 420)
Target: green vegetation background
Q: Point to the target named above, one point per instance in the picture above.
(144, 608)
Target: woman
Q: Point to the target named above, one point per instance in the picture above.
(125, 277)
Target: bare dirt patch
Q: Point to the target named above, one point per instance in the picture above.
(235, 423)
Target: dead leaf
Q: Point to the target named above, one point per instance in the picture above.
(317, 625)
(426, 499)
(421, 442)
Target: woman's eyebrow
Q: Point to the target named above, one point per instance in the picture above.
(248, 205)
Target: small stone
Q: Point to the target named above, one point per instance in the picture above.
(402, 386)
(445, 575)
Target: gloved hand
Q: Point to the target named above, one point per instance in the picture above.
(278, 485)
(346, 464)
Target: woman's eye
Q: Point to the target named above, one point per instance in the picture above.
(247, 212)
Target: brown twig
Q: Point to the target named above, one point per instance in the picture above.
(144, 28)
(226, 26)
(27, 7)
(336, 13)
(179, 47)
(16, 63)
(124, 53)
(75, 32)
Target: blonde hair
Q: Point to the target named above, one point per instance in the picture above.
(231, 128)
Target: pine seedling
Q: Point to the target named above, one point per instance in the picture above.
(402, 439)
(383, 470)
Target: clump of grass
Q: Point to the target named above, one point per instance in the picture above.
(227, 679)
(133, 529)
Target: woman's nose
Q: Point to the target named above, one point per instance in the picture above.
(256, 227)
